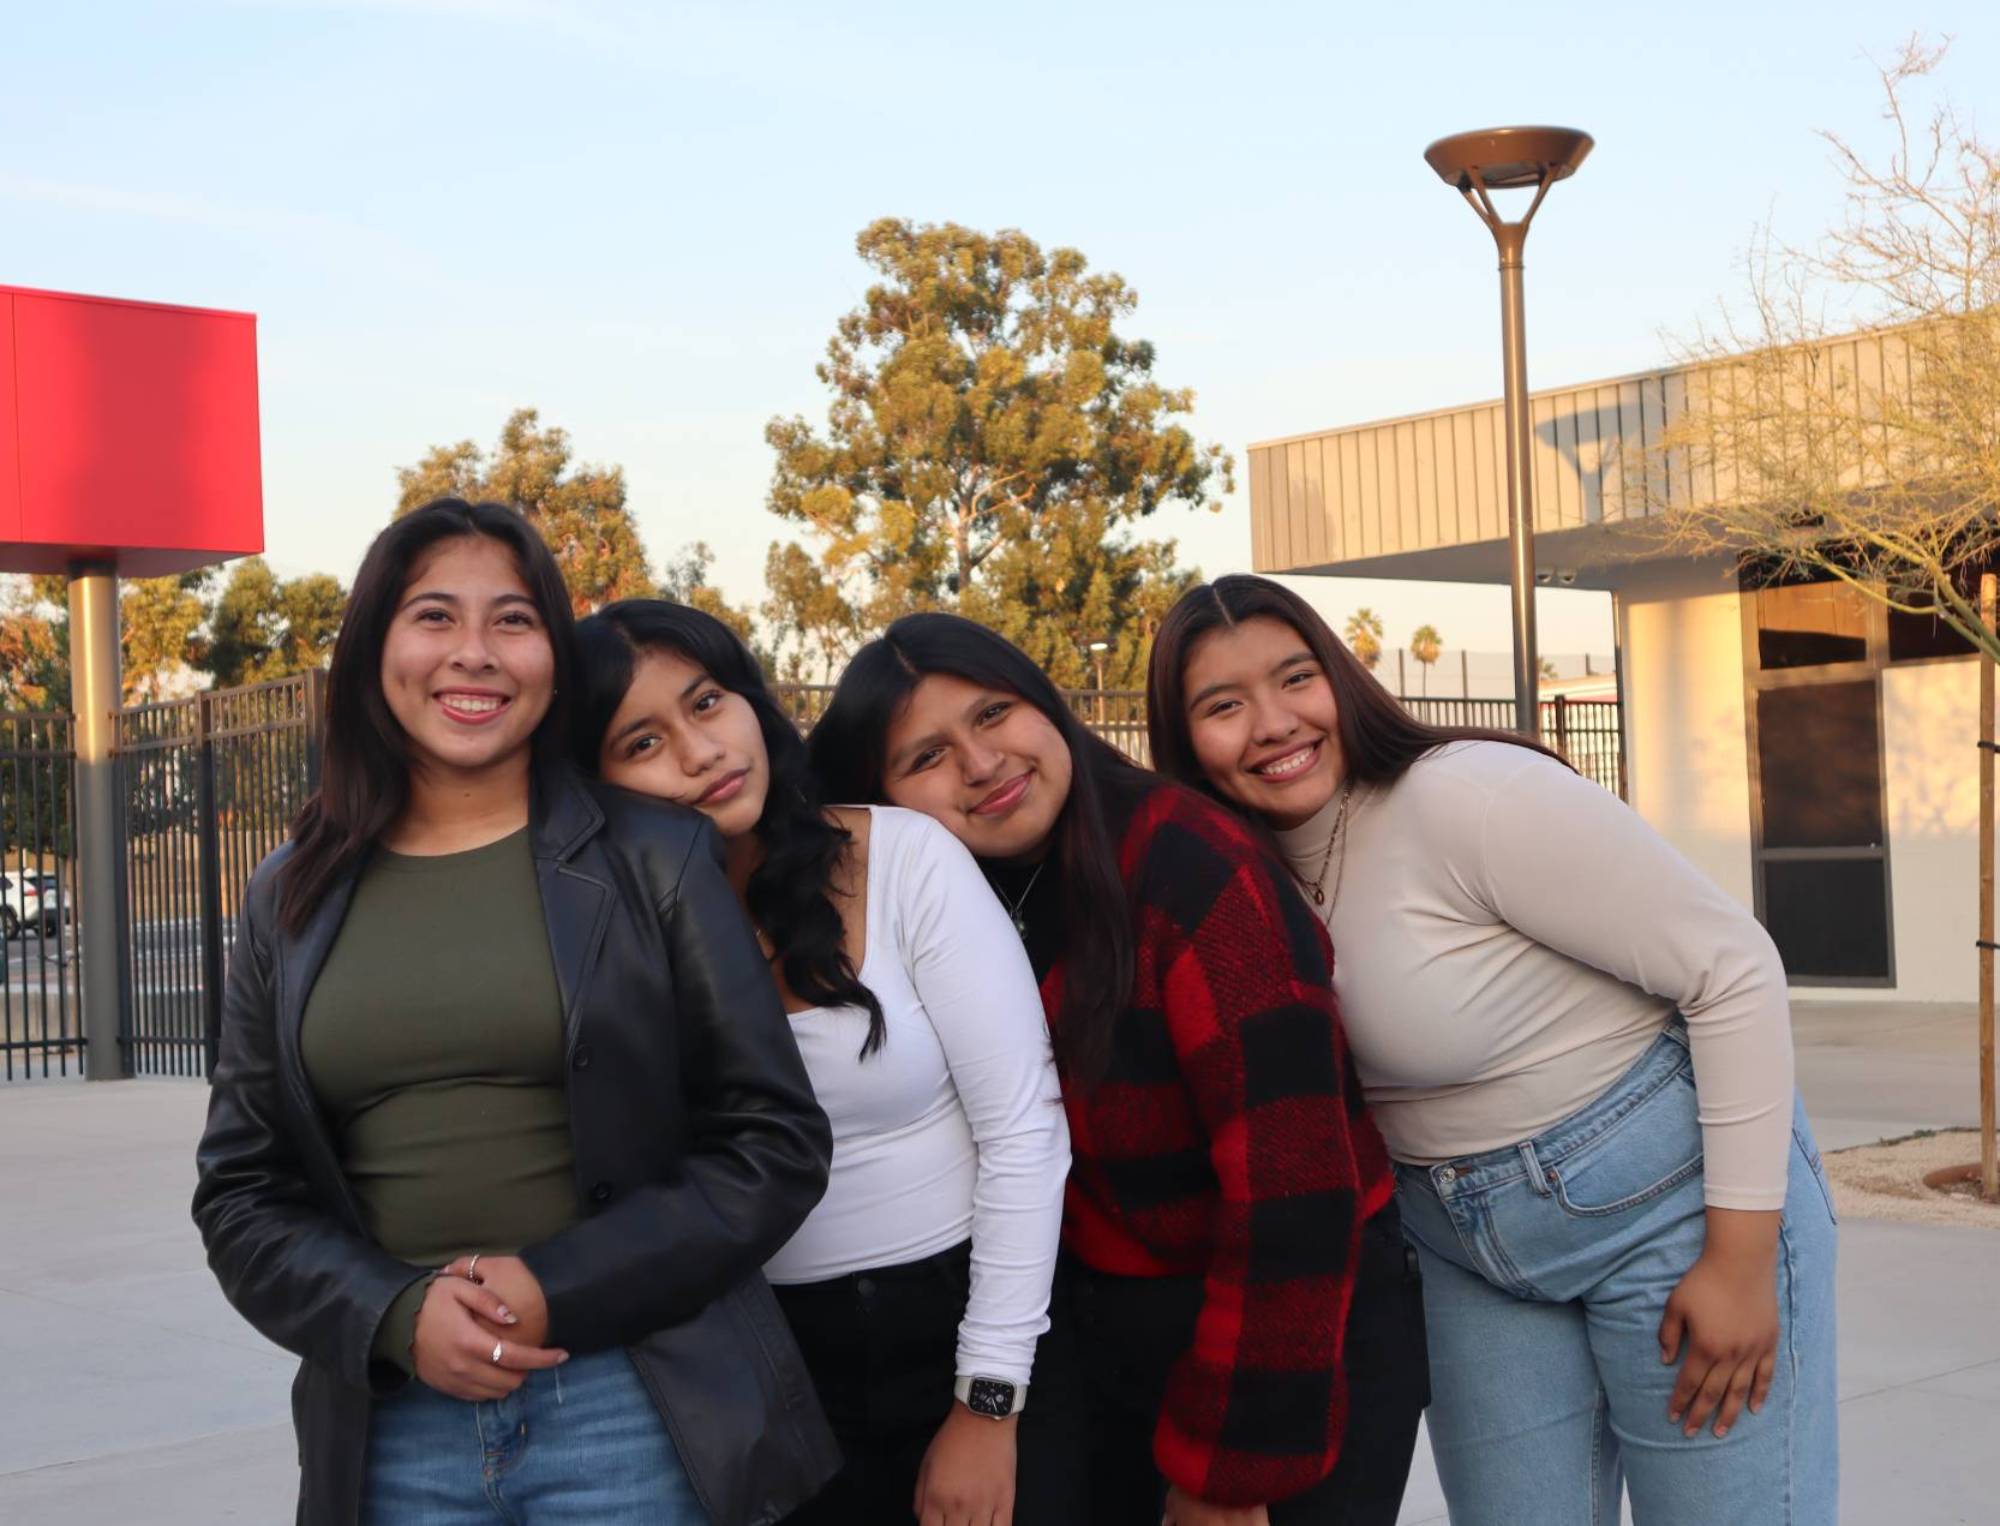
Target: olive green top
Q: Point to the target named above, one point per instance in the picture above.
(434, 1040)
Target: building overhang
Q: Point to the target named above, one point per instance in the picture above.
(1424, 496)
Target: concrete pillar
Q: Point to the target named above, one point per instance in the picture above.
(95, 695)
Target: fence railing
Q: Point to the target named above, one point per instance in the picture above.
(209, 785)
(1588, 732)
(41, 1013)
(1117, 715)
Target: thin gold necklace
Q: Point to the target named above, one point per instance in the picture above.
(1316, 886)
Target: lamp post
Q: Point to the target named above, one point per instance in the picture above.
(1097, 651)
(1501, 159)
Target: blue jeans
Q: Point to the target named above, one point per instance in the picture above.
(1547, 1267)
(577, 1445)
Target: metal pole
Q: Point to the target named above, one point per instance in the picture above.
(209, 872)
(95, 694)
(1512, 239)
(1989, 1166)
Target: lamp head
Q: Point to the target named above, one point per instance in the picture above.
(1507, 158)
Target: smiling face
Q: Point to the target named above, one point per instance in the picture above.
(467, 669)
(985, 762)
(1262, 717)
(680, 735)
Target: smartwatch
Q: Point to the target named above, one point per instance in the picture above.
(995, 1398)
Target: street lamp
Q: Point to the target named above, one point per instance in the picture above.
(1504, 159)
(1097, 651)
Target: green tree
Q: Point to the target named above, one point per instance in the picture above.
(263, 627)
(991, 439)
(580, 510)
(28, 653)
(162, 620)
(686, 582)
(1426, 645)
(1078, 582)
(813, 625)
(1364, 637)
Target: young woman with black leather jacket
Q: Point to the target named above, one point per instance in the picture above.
(506, 1112)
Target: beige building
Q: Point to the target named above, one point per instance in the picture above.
(1809, 750)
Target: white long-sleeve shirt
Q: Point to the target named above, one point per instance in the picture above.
(1509, 937)
(954, 1127)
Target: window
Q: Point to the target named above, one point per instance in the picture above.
(1829, 917)
(1802, 625)
(1819, 765)
(1813, 655)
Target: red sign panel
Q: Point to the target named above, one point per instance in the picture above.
(128, 433)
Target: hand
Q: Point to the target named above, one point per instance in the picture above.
(1727, 1309)
(455, 1341)
(508, 1277)
(1185, 1510)
(967, 1477)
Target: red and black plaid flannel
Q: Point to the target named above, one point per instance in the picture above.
(1228, 1139)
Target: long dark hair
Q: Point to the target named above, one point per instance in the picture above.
(364, 780)
(849, 750)
(790, 894)
(1379, 739)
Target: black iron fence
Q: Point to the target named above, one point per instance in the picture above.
(1117, 715)
(208, 786)
(1588, 732)
(41, 1017)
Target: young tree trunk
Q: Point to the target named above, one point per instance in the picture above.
(1989, 1165)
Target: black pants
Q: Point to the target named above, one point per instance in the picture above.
(1130, 1330)
(882, 1347)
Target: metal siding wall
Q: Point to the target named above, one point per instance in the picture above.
(1260, 508)
(1465, 487)
(1429, 531)
(1402, 528)
(1589, 457)
(1281, 509)
(1369, 447)
(1440, 479)
(1318, 453)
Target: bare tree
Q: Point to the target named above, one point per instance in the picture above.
(1871, 458)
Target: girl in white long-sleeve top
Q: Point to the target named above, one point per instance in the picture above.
(919, 1287)
(1579, 1051)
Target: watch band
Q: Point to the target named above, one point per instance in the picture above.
(992, 1398)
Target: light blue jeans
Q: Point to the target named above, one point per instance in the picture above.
(577, 1445)
(1547, 1267)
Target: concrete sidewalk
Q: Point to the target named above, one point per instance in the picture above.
(130, 1393)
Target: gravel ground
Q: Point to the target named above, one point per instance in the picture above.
(1886, 1181)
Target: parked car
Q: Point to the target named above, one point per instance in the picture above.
(20, 902)
(32, 899)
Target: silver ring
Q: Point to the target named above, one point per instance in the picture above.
(472, 1272)
(497, 1345)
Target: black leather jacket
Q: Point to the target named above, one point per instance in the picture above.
(699, 1149)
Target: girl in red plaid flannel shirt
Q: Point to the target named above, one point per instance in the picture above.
(1249, 1321)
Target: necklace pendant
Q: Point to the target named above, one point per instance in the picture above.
(1020, 925)
(1319, 895)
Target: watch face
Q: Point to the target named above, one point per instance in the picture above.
(989, 1396)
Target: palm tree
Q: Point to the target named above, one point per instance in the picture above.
(1426, 645)
(1364, 637)
(1549, 670)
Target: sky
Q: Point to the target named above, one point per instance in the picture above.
(640, 218)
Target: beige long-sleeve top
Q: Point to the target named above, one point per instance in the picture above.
(1509, 937)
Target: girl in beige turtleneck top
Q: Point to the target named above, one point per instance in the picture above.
(1578, 1049)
